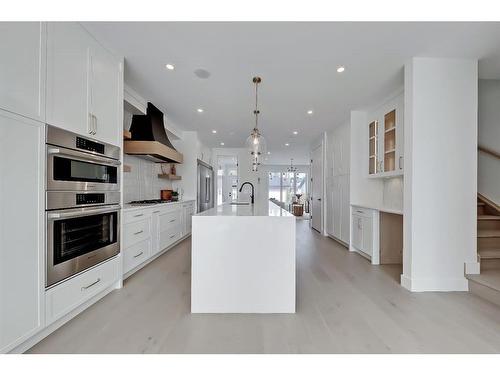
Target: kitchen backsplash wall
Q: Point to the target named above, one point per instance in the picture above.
(142, 181)
(393, 193)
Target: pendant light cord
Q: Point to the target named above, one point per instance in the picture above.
(256, 112)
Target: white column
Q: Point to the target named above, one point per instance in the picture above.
(440, 183)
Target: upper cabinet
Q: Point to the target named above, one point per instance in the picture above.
(84, 84)
(385, 139)
(22, 68)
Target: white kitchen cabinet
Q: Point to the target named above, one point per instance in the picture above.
(65, 297)
(22, 68)
(345, 209)
(188, 212)
(22, 234)
(104, 94)
(338, 204)
(385, 147)
(68, 63)
(151, 230)
(364, 237)
(84, 83)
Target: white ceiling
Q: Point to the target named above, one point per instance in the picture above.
(297, 63)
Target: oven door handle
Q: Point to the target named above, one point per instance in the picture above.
(78, 155)
(81, 212)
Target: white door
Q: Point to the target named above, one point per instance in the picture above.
(317, 189)
(345, 212)
(22, 65)
(105, 102)
(68, 57)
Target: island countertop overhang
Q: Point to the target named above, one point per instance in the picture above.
(267, 209)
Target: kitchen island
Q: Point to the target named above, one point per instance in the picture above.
(243, 260)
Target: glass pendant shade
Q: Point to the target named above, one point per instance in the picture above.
(256, 146)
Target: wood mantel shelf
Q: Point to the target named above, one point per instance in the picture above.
(169, 176)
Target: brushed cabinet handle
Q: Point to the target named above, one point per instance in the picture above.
(89, 123)
(172, 236)
(400, 160)
(95, 124)
(91, 285)
(155, 212)
(138, 255)
(138, 215)
(136, 233)
(171, 221)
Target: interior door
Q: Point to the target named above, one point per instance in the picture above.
(317, 189)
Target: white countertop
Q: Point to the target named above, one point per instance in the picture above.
(131, 207)
(379, 208)
(267, 209)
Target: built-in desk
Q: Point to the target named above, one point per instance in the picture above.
(377, 233)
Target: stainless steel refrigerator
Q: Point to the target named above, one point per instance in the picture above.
(205, 197)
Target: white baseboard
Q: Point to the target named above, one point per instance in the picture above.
(472, 268)
(458, 284)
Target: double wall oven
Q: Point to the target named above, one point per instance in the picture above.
(82, 203)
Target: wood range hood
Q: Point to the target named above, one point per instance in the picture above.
(149, 139)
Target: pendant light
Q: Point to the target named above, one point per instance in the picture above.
(255, 143)
(291, 168)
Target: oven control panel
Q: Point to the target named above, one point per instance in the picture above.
(96, 198)
(85, 144)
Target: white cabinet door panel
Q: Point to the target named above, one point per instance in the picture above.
(21, 235)
(105, 98)
(22, 68)
(68, 57)
(345, 208)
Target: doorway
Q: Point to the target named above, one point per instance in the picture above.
(317, 188)
(289, 188)
(227, 179)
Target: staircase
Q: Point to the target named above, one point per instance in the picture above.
(487, 283)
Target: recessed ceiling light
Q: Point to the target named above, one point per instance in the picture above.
(214, 131)
(200, 110)
(170, 67)
(340, 69)
(222, 143)
(295, 132)
(269, 152)
(310, 112)
(287, 144)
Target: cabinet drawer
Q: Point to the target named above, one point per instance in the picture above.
(137, 215)
(170, 219)
(169, 236)
(136, 232)
(361, 211)
(65, 297)
(136, 254)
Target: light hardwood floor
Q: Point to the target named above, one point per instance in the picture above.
(344, 305)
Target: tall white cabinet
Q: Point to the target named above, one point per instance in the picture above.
(338, 163)
(21, 229)
(84, 83)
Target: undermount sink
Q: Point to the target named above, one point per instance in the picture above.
(239, 203)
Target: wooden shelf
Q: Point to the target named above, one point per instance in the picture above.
(389, 151)
(169, 176)
(390, 130)
(127, 134)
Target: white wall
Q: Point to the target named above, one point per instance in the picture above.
(192, 149)
(440, 173)
(489, 137)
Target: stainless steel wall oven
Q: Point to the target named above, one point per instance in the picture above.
(82, 204)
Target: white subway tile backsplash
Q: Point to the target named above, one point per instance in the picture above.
(142, 181)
